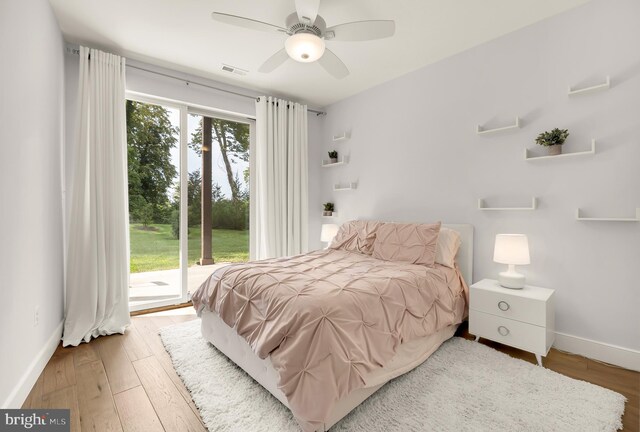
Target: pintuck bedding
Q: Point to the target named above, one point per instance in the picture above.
(329, 319)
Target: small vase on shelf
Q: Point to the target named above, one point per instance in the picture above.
(333, 157)
(328, 209)
(554, 150)
(553, 140)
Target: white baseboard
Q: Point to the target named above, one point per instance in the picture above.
(615, 355)
(21, 390)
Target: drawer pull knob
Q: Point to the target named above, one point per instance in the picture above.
(503, 306)
(503, 331)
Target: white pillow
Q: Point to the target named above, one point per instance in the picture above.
(448, 244)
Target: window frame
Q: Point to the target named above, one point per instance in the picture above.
(185, 109)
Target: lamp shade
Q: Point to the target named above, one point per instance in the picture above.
(328, 232)
(511, 249)
(304, 47)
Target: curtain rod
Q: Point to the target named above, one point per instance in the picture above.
(276, 104)
(188, 82)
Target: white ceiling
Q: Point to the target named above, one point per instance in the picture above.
(181, 35)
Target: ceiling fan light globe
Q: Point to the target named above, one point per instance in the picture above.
(304, 47)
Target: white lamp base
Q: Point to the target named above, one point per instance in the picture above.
(511, 278)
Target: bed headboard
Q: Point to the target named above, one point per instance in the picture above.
(465, 253)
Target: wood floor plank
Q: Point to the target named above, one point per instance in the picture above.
(173, 411)
(116, 363)
(149, 326)
(95, 402)
(134, 345)
(167, 365)
(59, 372)
(136, 412)
(66, 398)
(85, 353)
(617, 379)
(569, 361)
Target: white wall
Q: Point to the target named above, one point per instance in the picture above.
(416, 156)
(31, 245)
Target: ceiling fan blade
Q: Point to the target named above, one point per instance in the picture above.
(362, 30)
(246, 22)
(307, 10)
(333, 64)
(274, 61)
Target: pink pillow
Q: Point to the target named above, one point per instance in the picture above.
(448, 244)
(356, 236)
(411, 243)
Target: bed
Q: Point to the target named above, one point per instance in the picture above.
(337, 347)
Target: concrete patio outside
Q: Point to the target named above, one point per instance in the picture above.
(153, 286)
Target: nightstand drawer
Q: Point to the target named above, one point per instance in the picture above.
(517, 334)
(510, 306)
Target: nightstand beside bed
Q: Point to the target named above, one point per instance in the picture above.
(521, 318)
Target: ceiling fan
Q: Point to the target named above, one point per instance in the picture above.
(308, 32)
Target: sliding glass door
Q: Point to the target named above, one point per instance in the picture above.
(153, 140)
(178, 240)
(218, 197)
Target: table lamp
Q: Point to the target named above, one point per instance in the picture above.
(511, 249)
(328, 232)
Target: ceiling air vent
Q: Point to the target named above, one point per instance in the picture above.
(233, 70)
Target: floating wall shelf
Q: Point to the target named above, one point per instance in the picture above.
(342, 137)
(344, 187)
(592, 89)
(481, 131)
(529, 156)
(341, 161)
(482, 206)
(635, 219)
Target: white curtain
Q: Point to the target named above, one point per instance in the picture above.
(279, 179)
(98, 247)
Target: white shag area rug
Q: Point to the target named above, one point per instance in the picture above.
(463, 386)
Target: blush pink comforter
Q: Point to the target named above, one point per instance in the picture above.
(330, 317)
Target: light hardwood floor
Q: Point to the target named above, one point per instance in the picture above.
(120, 382)
(127, 382)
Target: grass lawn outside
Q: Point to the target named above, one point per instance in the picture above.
(154, 248)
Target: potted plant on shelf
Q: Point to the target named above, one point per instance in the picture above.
(553, 140)
(333, 156)
(328, 209)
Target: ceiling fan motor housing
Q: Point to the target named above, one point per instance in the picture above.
(295, 26)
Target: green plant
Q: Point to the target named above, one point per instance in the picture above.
(553, 137)
(333, 154)
(146, 215)
(328, 206)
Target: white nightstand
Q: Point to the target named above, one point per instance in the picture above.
(521, 318)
